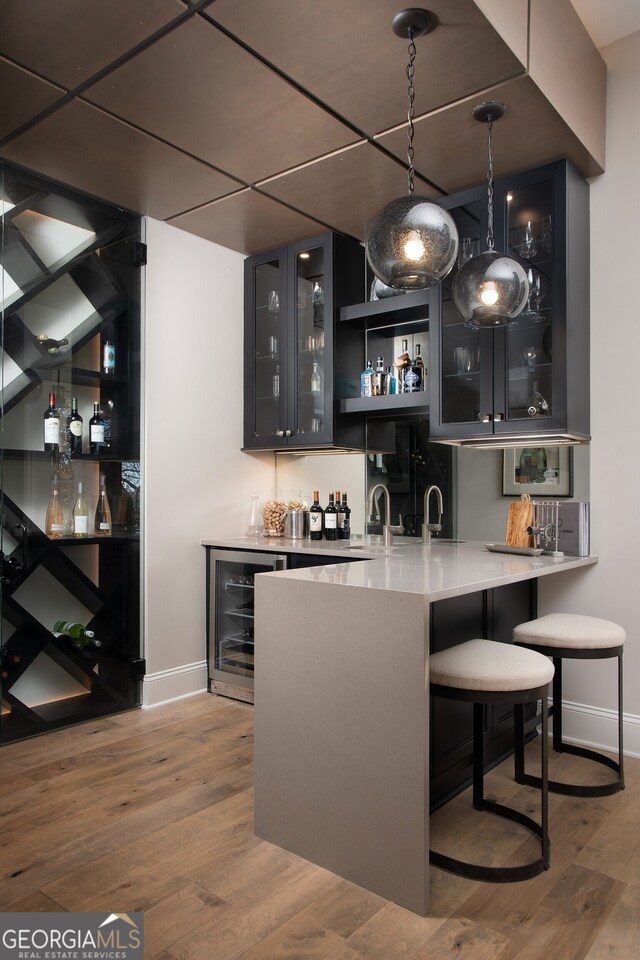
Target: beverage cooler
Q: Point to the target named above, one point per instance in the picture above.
(230, 618)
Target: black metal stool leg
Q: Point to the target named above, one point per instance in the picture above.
(518, 742)
(557, 705)
(478, 756)
(544, 792)
(620, 725)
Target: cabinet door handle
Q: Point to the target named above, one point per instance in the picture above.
(485, 418)
(279, 433)
(288, 433)
(498, 416)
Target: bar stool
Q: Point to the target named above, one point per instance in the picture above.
(576, 637)
(484, 671)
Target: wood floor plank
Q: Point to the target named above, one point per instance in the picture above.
(567, 921)
(177, 915)
(319, 928)
(619, 938)
(461, 937)
(393, 933)
(248, 921)
(35, 902)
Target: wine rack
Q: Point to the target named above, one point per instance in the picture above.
(71, 272)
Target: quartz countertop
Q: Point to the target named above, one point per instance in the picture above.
(443, 569)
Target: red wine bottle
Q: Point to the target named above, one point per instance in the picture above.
(74, 428)
(51, 426)
(316, 515)
(331, 520)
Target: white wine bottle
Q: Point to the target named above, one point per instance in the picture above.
(103, 512)
(54, 521)
(80, 514)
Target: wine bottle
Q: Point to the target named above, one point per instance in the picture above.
(366, 380)
(401, 364)
(103, 512)
(77, 633)
(96, 431)
(108, 358)
(51, 426)
(344, 518)
(74, 428)
(316, 383)
(54, 520)
(379, 379)
(316, 516)
(80, 514)
(331, 520)
(419, 362)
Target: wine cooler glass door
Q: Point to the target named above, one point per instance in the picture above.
(311, 369)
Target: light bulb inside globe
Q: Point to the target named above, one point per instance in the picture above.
(489, 294)
(414, 248)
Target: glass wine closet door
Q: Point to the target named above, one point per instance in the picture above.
(270, 294)
(70, 356)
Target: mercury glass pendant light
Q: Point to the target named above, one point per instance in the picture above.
(490, 289)
(413, 242)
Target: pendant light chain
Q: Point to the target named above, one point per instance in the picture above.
(411, 111)
(490, 239)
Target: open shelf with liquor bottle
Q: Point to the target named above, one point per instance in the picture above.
(70, 332)
(380, 327)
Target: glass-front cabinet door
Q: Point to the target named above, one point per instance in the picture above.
(265, 366)
(311, 386)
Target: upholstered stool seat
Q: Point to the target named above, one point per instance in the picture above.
(484, 671)
(573, 636)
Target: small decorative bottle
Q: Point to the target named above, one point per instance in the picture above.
(103, 513)
(316, 383)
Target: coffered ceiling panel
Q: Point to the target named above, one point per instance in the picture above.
(346, 190)
(345, 53)
(248, 222)
(200, 90)
(452, 147)
(70, 40)
(83, 146)
(29, 95)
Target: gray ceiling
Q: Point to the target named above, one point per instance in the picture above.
(255, 123)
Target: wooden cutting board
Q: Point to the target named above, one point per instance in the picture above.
(519, 519)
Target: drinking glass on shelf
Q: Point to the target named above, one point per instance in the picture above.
(462, 357)
(531, 312)
(547, 238)
(274, 301)
(468, 248)
(528, 243)
(529, 356)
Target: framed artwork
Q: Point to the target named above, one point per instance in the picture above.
(539, 471)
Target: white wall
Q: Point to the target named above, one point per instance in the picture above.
(612, 588)
(197, 482)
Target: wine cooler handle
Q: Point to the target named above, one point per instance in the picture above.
(23, 539)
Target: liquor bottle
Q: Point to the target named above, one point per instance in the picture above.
(51, 426)
(102, 524)
(108, 358)
(316, 383)
(275, 387)
(402, 363)
(96, 431)
(412, 382)
(54, 521)
(331, 520)
(316, 516)
(537, 406)
(80, 514)
(419, 362)
(49, 344)
(391, 384)
(366, 380)
(379, 379)
(74, 428)
(77, 633)
(344, 518)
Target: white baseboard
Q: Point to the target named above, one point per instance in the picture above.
(174, 684)
(597, 728)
